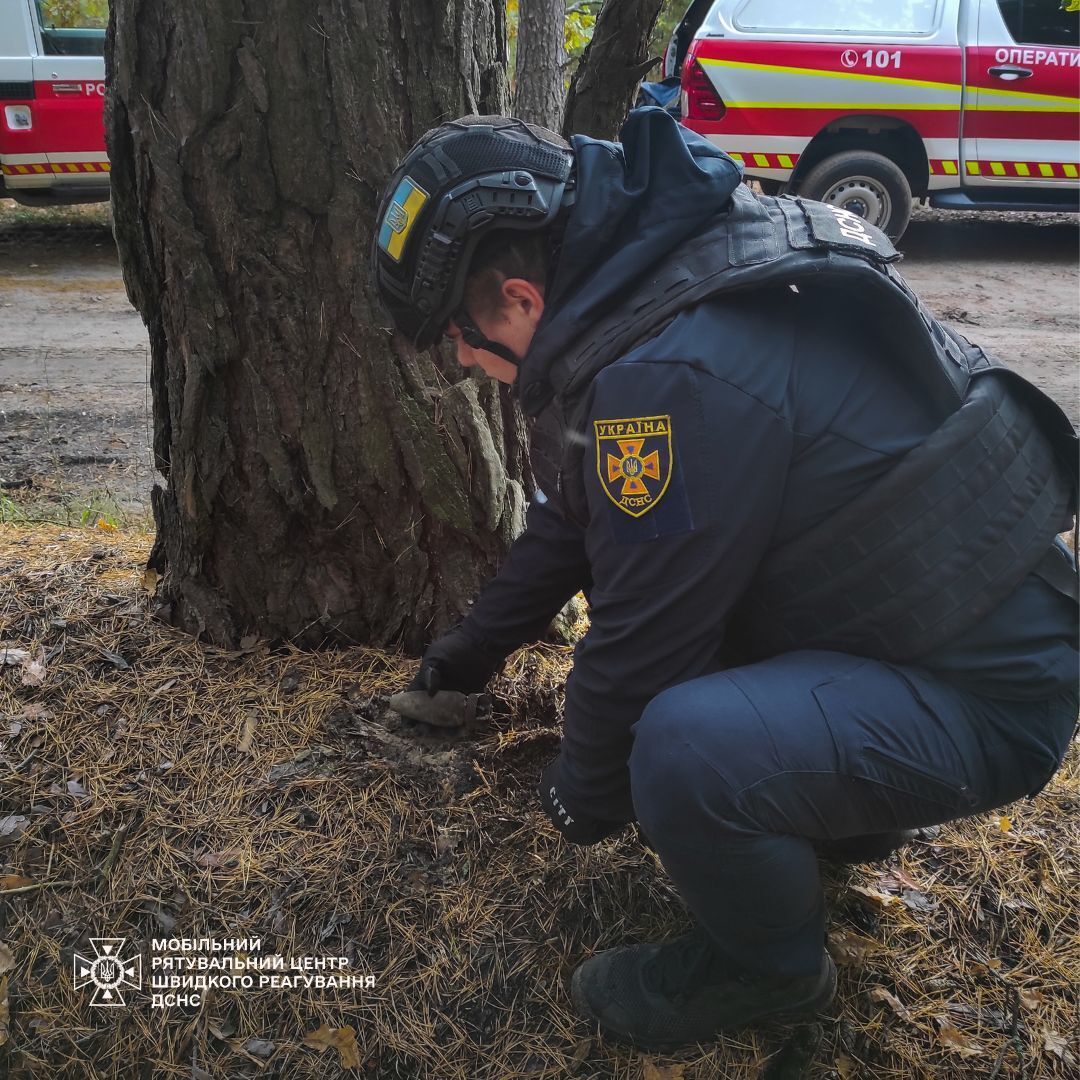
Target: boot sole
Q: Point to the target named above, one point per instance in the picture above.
(817, 1000)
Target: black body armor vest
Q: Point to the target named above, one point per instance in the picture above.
(932, 546)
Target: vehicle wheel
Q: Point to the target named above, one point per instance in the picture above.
(865, 183)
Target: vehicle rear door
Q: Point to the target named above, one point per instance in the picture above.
(1021, 99)
(19, 143)
(69, 80)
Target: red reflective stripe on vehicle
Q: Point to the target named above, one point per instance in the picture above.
(944, 167)
(1027, 170)
(29, 168)
(1028, 125)
(943, 124)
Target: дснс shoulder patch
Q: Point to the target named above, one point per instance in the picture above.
(633, 461)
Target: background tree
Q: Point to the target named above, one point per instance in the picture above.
(322, 481)
(540, 76)
(617, 58)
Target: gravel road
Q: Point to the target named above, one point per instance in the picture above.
(74, 401)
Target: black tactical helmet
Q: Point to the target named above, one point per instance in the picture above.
(459, 182)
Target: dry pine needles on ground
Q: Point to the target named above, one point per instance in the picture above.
(151, 788)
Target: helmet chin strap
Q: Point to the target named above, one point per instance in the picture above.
(472, 336)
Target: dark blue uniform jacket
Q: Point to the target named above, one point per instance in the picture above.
(776, 414)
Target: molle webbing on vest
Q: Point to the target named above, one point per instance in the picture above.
(759, 242)
(932, 546)
(926, 551)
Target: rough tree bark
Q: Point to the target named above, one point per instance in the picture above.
(323, 482)
(540, 86)
(616, 60)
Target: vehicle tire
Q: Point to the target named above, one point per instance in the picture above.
(865, 183)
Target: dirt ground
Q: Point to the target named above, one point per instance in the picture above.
(75, 422)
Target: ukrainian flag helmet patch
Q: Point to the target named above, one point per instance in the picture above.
(633, 461)
(400, 217)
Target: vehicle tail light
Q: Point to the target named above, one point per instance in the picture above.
(700, 99)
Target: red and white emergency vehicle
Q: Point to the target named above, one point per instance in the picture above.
(52, 95)
(867, 104)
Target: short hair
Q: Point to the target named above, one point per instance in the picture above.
(502, 254)
(507, 253)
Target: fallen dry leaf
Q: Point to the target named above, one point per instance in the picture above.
(12, 657)
(14, 881)
(581, 1051)
(1057, 1044)
(33, 671)
(879, 993)
(897, 879)
(914, 900)
(1004, 823)
(1031, 999)
(7, 958)
(877, 898)
(247, 737)
(849, 949)
(846, 1068)
(12, 826)
(649, 1071)
(953, 1039)
(105, 526)
(343, 1039)
(149, 580)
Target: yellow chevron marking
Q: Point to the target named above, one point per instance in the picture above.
(1070, 171)
(1021, 168)
(761, 160)
(1045, 169)
(39, 168)
(737, 157)
(997, 168)
(972, 168)
(949, 167)
(22, 168)
(785, 161)
(931, 168)
(892, 80)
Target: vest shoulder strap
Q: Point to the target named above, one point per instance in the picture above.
(759, 242)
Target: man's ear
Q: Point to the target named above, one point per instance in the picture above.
(525, 296)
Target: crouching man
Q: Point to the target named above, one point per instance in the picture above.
(817, 531)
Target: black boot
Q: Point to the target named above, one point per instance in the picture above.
(862, 849)
(680, 992)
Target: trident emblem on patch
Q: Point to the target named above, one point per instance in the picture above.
(633, 461)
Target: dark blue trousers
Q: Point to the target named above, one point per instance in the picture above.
(735, 773)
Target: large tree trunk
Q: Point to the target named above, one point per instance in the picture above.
(323, 481)
(616, 60)
(540, 87)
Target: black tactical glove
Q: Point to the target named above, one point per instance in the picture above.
(574, 827)
(456, 661)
